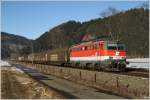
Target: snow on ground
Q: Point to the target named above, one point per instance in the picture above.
(7, 66)
(16, 69)
(139, 63)
(139, 60)
(4, 63)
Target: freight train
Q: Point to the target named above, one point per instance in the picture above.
(100, 54)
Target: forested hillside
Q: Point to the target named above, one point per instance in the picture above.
(60, 36)
(14, 45)
(131, 27)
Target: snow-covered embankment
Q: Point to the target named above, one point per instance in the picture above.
(139, 63)
(5, 65)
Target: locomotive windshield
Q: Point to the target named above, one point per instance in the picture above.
(116, 47)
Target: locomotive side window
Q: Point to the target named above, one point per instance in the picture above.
(85, 48)
(97, 46)
(88, 48)
(91, 47)
(94, 46)
(101, 46)
(78, 49)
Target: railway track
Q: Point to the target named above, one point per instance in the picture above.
(128, 71)
(136, 73)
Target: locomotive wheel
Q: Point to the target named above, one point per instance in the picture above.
(90, 66)
(82, 66)
(77, 65)
(98, 67)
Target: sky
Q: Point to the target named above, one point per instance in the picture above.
(32, 18)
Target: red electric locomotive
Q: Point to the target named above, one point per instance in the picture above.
(102, 54)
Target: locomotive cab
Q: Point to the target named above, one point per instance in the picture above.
(117, 55)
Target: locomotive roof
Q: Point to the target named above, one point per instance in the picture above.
(94, 41)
